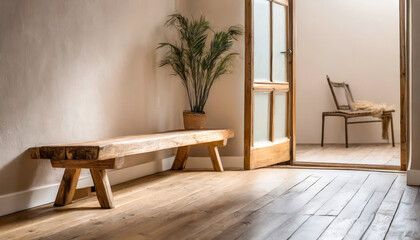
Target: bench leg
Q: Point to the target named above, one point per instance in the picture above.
(102, 188)
(215, 158)
(181, 158)
(67, 187)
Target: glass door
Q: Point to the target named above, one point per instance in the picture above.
(268, 98)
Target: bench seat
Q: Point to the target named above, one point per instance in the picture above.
(99, 155)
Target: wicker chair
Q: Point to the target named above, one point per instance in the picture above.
(344, 110)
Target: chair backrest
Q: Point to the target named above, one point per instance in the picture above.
(337, 86)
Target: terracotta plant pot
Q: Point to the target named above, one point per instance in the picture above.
(194, 121)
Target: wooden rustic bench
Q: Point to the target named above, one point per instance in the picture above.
(109, 153)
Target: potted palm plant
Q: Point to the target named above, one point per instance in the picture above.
(198, 61)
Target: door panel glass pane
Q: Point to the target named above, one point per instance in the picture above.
(261, 116)
(280, 115)
(261, 41)
(279, 44)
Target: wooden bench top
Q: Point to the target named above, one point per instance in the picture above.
(129, 145)
(111, 152)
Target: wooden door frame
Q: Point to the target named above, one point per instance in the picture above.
(279, 87)
(248, 88)
(404, 91)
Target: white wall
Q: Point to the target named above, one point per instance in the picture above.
(353, 41)
(79, 70)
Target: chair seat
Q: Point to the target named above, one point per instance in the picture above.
(349, 113)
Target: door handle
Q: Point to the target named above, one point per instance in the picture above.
(289, 51)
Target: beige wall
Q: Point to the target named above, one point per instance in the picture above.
(225, 107)
(354, 41)
(415, 71)
(79, 70)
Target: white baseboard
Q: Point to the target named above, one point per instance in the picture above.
(33, 197)
(413, 177)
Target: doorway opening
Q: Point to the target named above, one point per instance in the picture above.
(357, 47)
(362, 44)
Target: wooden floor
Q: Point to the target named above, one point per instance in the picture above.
(370, 154)
(272, 203)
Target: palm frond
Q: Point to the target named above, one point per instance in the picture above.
(197, 65)
(236, 31)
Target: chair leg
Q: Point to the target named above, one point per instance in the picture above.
(392, 131)
(346, 132)
(322, 135)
